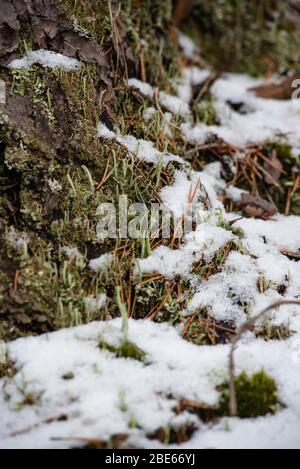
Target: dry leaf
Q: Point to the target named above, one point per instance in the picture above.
(274, 169)
(294, 256)
(282, 91)
(256, 207)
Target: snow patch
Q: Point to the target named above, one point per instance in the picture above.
(45, 58)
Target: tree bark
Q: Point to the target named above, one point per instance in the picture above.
(182, 10)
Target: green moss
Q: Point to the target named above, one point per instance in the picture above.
(204, 330)
(159, 298)
(52, 161)
(127, 349)
(135, 32)
(251, 37)
(283, 150)
(256, 396)
(226, 225)
(205, 112)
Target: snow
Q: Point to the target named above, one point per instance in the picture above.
(281, 232)
(203, 185)
(166, 262)
(176, 197)
(103, 394)
(191, 76)
(45, 58)
(143, 149)
(144, 88)
(149, 114)
(93, 304)
(235, 194)
(201, 244)
(102, 263)
(172, 103)
(264, 120)
(187, 45)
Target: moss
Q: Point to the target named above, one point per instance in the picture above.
(65, 162)
(283, 150)
(204, 330)
(205, 269)
(52, 160)
(226, 225)
(205, 112)
(269, 332)
(127, 349)
(159, 296)
(256, 396)
(251, 37)
(135, 33)
(7, 370)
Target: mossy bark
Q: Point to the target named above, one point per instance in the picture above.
(51, 158)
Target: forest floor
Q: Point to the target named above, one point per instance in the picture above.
(137, 383)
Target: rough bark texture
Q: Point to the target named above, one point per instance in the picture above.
(50, 152)
(48, 27)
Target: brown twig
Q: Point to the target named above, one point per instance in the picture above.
(191, 199)
(16, 280)
(150, 280)
(291, 193)
(153, 314)
(188, 324)
(104, 178)
(90, 441)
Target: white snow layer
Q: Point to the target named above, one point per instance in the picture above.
(263, 120)
(45, 58)
(172, 103)
(87, 392)
(143, 149)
